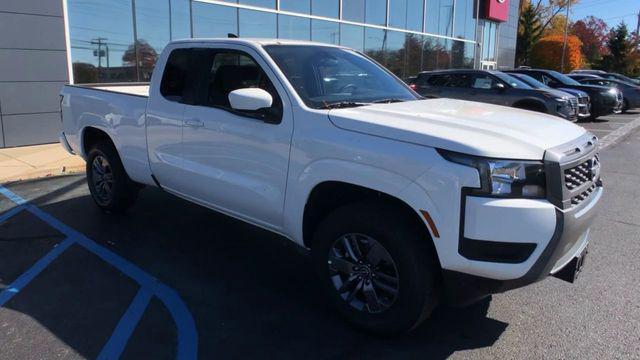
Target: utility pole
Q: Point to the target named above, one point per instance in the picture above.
(638, 32)
(566, 33)
(100, 42)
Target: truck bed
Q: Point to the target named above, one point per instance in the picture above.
(115, 109)
(137, 89)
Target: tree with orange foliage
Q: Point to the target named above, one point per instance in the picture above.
(547, 53)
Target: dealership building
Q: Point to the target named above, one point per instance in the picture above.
(45, 44)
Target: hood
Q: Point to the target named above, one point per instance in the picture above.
(556, 93)
(576, 92)
(463, 126)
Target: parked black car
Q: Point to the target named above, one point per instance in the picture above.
(584, 103)
(630, 92)
(494, 87)
(607, 75)
(604, 100)
(580, 76)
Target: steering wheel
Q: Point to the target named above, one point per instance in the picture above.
(352, 87)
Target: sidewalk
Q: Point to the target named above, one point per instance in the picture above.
(31, 162)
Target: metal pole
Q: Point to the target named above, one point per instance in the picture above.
(564, 43)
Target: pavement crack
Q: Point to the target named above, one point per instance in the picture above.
(624, 222)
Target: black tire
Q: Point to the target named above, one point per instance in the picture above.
(412, 254)
(625, 106)
(122, 191)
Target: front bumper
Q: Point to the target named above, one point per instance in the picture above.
(570, 237)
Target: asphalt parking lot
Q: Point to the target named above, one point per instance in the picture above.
(169, 275)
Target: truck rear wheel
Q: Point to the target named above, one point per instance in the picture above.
(376, 267)
(109, 184)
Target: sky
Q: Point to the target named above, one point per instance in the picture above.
(611, 11)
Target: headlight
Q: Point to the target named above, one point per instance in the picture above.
(504, 178)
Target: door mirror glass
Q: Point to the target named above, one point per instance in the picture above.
(250, 99)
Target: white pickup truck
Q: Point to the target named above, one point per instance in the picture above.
(404, 202)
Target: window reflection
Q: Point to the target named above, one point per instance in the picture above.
(152, 30)
(257, 24)
(462, 55)
(465, 22)
(326, 8)
(294, 27)
(395, 52)
(299, 6)
(325, 31)
(100, 35)
(375, 12)
(180, 23)
(414, 56)
(214, 20)
(271, 4)
(353, 10)
(415, 14)
(374, 40)
(352, 36)
(439, 17)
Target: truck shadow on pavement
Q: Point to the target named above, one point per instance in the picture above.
(251, 292)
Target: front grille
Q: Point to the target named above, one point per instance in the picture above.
(576, 200)
(573, 171)
(578, 175)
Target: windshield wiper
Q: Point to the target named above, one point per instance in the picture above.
(343, 104)
(388, 101)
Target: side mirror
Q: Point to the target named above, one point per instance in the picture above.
(250, 99)
(499, 86)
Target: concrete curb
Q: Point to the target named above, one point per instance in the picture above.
(619, 134)
(45, 172)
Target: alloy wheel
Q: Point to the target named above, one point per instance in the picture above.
(363, 273)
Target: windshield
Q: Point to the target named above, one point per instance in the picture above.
(516, 83)
(563, 78)
(327, 77)
(530, 81)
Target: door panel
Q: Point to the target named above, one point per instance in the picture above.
(234, 161)
(164, 120)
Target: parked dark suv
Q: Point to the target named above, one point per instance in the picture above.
(584, 103)
(604, 100)
(494, 87)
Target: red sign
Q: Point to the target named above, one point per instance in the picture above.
(497, 10)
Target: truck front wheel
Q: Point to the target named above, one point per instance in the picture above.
(376, 267)
(109, 184)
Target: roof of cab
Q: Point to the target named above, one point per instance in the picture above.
(253, 41)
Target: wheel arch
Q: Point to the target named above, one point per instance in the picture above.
(92, 135)
(331, 194)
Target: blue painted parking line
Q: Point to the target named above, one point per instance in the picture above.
(149, 286)
(118, 341)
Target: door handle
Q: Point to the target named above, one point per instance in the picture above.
(194, 122)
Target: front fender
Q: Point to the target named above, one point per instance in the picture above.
(299, 188)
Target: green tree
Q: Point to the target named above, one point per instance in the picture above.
(620, 47)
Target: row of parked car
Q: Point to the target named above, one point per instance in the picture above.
(582, 94)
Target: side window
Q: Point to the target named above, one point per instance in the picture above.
(461, 81)
(549, 80)
(483, 82)
(440, 80)
(538, 77)
(174, 80)
(231, 71)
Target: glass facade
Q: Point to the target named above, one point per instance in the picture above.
(120, 40)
